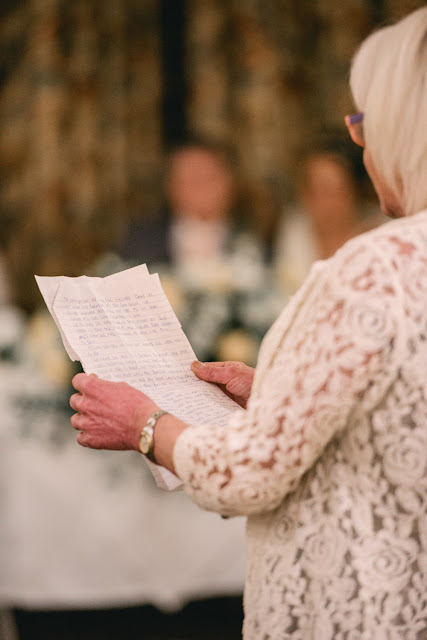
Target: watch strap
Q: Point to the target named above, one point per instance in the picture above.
(146, 437)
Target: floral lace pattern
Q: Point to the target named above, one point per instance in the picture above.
(329, 460)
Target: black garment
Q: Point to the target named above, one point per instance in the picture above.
(146, 241)
(211, 619)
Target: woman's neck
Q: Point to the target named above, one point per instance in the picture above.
(331, 237)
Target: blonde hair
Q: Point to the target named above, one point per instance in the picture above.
(389, 84)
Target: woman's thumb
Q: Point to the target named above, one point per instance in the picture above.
(210, 374)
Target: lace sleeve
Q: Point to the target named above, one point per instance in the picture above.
(328, 353)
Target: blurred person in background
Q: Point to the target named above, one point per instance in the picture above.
(210, 260)
(331, 206)
(327, 456)
(202, 223)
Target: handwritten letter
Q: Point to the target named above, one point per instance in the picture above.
(123, 328)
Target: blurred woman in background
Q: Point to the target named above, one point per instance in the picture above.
(331, 206)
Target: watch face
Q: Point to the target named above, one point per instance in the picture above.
(144, 443)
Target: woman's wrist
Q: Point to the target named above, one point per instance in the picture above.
(140, 419)
(164, 434)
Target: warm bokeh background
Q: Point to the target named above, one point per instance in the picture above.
(93, 96)
(93, 91)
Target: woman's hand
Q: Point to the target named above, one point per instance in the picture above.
(107, 412)
(234, 378)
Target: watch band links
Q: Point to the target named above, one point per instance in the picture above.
(146, 438)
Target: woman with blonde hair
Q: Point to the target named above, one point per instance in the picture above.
(328, 455)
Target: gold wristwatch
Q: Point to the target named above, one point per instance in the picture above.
(146, 439)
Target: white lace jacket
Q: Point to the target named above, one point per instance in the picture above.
(329, 461)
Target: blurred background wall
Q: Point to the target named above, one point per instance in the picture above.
(93, 92)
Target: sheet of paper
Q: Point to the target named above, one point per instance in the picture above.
(123, 328)
(49, 288)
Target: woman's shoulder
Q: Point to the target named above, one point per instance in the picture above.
(379, 262)
(387, 239)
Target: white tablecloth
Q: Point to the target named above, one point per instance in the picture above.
(82, 528)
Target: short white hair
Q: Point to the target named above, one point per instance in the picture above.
(389, 84)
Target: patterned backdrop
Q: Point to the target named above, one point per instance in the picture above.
(81, 118)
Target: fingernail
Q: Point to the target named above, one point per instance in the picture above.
(196, 364)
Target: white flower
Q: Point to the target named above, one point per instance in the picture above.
(284, 529)
(324, 551)
(371, 324)
(409, 499)
(252, 496)
(405, 461)
(384, 563)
